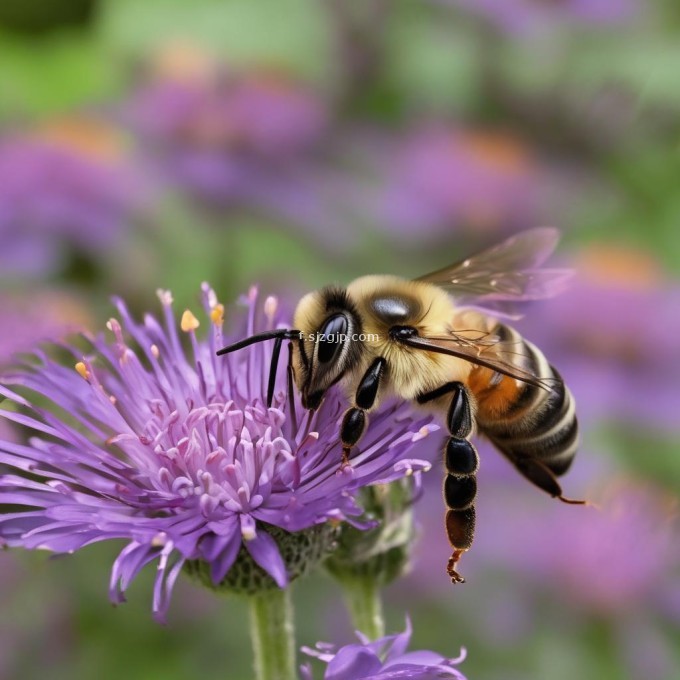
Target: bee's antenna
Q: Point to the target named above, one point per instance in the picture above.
(272, 370)
(282, 333)
(291, 396)
(279, 336)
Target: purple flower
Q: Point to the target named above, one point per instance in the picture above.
(175, 451)
(382, 659)
(521, 17)
(65, 187)
(439, 177)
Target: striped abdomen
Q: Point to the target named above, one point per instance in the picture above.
(527, 423)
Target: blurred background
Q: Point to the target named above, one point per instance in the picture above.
(294, 143)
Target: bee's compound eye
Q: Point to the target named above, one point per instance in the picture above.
(332, 337)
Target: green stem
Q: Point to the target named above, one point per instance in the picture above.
(271, 629)
(362, 594)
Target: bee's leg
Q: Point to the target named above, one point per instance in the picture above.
(462, 462)
(543, 477)
(355, 420)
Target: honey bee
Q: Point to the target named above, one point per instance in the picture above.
(438, 341)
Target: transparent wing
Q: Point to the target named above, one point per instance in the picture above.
(483, 349)
(506, 273)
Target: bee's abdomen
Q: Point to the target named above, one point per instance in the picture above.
(528, 421)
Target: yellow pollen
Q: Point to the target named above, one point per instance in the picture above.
(82, 370)
(424, 431)
(217, 314)
(189, 321)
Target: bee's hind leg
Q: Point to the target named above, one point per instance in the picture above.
(460, 484)
(355, 419)
(539, 474)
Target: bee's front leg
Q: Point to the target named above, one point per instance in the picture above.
(462, 462)
(355, 419)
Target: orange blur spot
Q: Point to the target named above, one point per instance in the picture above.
(619, 266)
(90, 137)
(496, 151)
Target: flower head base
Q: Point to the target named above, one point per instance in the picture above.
(299, 551)
(381, 553)
(176, 452)
(383, 659)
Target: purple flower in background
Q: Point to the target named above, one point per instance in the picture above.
(382, 659)
(28, 319)
(440, 178)
(615, 564)
(175, 451)
(65, 186)
(263, 113)
(611, 560)
(240, 140)
(522, 17)
(612, 335)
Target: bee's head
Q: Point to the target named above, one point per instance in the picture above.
(328, 347)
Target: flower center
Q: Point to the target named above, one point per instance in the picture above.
(220, 456)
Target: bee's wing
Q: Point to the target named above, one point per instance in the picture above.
(484, 350)
(508, 272)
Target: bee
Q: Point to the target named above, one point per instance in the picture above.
(440, 342)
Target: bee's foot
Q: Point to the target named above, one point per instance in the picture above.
(572, 501)
(455, 576)
(451, 567)
(345, 458)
